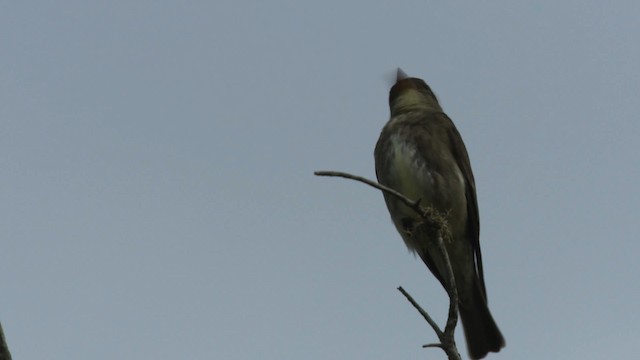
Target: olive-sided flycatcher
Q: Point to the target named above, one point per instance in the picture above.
(421, 154)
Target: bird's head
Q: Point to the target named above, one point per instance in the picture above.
(409, 94)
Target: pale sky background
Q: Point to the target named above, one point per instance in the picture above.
(157, 191)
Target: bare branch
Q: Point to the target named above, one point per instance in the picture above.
(415, 205)
(425, 315)
(448, 340)
(432, 221)
(432, 217)
(452, 290)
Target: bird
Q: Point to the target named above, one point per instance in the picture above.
(420, 154)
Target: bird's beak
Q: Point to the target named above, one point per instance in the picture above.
(401, 75)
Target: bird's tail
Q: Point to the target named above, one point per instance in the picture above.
(480, 330)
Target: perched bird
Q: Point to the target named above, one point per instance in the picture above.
(421, 154)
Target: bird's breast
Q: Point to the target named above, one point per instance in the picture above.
(408, 172)
(432, 177)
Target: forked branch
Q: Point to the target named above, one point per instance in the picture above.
(432, 220)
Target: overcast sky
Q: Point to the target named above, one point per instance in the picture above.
(157, 197)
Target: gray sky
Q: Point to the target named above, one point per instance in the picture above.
(157, 196)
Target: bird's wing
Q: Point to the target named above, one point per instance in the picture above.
(461, 156)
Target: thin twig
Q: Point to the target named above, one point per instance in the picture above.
(431, 216)
(415, 205)
(424, 314)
